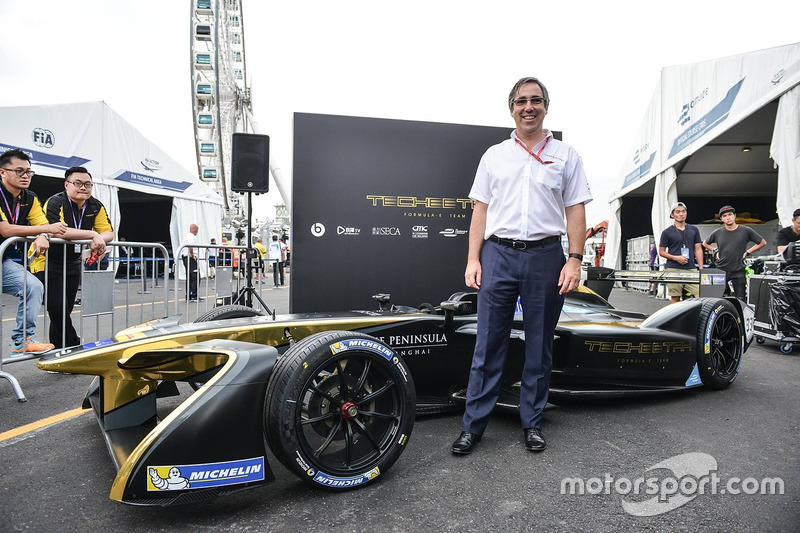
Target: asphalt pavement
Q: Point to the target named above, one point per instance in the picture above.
(57, 477)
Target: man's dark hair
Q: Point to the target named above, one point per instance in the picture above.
(72, 170)
(6, 157)
(522, 82)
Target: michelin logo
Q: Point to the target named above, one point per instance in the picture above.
(363, 344)
(173, 481)
(179, 477)
(353, 481)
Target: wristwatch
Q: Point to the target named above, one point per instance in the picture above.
(579, 257)
(46, 236)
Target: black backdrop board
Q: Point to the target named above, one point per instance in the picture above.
(381, 206)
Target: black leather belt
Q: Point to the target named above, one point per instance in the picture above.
(524, 245)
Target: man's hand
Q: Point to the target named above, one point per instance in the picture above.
(570, 276)
(40, 245)
(56, 230)
(98, 245)
(681, 260)
(472, 276)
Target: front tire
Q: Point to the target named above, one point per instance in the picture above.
(720, 343)
(229, 311)
(340, 409)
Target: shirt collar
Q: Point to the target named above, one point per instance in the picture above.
(8, 193)
(547, 135)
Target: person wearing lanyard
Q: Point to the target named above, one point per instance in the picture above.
(86, 218)
(681, 246)
(524, 189)
(21, 216)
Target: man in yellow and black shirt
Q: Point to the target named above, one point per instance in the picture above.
(21, 216)
(85, 218)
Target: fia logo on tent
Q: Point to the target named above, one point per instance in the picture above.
(44, 138)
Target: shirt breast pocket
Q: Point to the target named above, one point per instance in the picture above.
(549, 176)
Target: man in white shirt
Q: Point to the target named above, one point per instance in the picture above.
(524, 188)
(189, 258)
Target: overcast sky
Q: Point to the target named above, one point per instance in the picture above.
(440, 61)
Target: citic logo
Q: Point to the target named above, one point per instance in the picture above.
(317, 229)
(43, 137)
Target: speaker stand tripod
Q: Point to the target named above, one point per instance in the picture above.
(248, 292)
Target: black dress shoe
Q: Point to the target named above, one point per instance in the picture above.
(534, 440)
(465, 443)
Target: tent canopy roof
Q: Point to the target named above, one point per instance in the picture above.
(92, 135)
(701, 117)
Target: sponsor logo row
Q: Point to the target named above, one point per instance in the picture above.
(417, 232)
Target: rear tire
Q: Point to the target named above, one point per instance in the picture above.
(340, 409)
(720, 343)
(229, 311)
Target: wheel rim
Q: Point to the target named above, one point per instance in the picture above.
(349, 413)
(726, 347)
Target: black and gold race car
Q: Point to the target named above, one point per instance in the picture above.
(335, 395)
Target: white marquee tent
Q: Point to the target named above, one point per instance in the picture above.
(92, 135)
(713, 130)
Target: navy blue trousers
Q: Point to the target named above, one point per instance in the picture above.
(532, 275)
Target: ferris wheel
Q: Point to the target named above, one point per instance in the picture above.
(220, 95)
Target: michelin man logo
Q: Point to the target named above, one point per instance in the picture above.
(173, 481)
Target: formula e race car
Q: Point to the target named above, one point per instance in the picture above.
(335, 395)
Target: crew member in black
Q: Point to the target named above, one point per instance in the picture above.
(789, 233)
(86, 218)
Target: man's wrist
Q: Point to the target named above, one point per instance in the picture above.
(577, 256)
(45, 235)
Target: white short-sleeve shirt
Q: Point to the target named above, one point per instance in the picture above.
(527, 198)
(190, 240)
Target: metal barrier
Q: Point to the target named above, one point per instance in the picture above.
(226, 287)
(98, 291)
(140, 266)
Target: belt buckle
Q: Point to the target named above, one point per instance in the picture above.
(522, 245)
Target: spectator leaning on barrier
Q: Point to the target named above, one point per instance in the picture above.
(732, 240)
(789, 233)
(86, 218)
(681, 246)
(21, 215)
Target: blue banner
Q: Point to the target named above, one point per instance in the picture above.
(152, 181)
(712, 119)
(48, 160)
(180, 477)
(639, 172)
